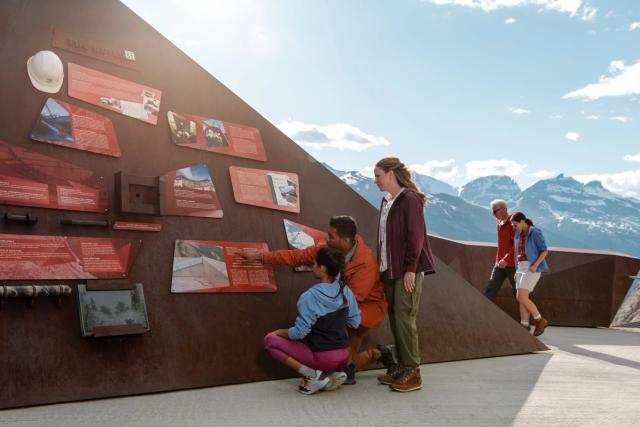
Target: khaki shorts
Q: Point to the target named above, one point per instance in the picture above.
(524, 278)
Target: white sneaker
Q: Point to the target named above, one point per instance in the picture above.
(311, 385)
(336, 379)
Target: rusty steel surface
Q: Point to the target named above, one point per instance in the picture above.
(584, 287)
(195, 340)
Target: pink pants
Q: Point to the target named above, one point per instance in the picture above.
(281, 348)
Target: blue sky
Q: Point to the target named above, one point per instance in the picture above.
(456, 88)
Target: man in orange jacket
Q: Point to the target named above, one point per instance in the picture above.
(362, 277)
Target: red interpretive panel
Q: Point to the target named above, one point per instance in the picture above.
(202, 133)
(268, 189)
(31, 179)
(63, 124)
(27, 257)
(189, 192)
(113, 93)
(137, 226)
(210, 266)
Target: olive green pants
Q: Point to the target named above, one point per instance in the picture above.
(403, 311)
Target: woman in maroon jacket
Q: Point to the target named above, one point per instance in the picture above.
(405, 257)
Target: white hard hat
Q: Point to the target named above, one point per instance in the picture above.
(46, 71)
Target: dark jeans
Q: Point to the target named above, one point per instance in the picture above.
(497, 278)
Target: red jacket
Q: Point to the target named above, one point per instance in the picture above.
(506, 234)
(408, 246)
(361, 275)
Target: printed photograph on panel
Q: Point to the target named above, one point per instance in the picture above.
(214, 133)
(283, 190)
(54, 124)
(183, 130)
(198, 266)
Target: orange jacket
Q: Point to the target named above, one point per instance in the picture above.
(361, 275)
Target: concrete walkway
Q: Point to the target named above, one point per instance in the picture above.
(591, 377)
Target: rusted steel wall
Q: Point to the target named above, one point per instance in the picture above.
(583, 288)
(195, 340)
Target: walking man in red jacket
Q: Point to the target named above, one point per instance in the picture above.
(504, 267)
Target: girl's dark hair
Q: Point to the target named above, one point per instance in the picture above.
(403, 175)
(333, 260)
(519, 216)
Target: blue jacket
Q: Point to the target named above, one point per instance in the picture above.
(533, 246)
(320, 300)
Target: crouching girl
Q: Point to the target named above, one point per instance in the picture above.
(317, 345)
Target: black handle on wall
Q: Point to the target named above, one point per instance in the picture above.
(22, 219)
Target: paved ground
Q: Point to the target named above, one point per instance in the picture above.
(591, 377)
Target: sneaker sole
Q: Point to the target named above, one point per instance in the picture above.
(308, 392)
(407, 389)
(384, 382)
(336, 383)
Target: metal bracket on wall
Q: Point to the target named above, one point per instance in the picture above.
(34, 291)
(21, 219)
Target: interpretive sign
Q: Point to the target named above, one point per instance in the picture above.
(202, 133)
(301, 237)
(29, 257)
(211, 266)
(31, 179)
(268, 189)
(189, 192)
(137, 226)
(105, 312)
(94, 48)
(113, 93)
(63, 124)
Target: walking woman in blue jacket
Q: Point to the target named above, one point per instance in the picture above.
(530, 253)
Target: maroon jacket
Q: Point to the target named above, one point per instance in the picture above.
(408, 246)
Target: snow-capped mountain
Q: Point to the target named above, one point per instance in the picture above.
(481, 191)
(446, 214)
(571, 214)
(587, 213)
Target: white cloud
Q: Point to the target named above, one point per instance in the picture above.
(477, 168)
(556, 117)
(572, 7)
(444, 170)
(341, 136)
(588, 13)
(191, 43)
(543, 174)
(621, 119)
(519, 111)
(592, 117)
(510, 21)
(572, 136)
(634, 26)
(367, 171)
(624, 80)
(630, 158)
(624, 183)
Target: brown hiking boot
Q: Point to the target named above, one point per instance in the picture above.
(392, 374)
(409, 380)
(541, 324)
